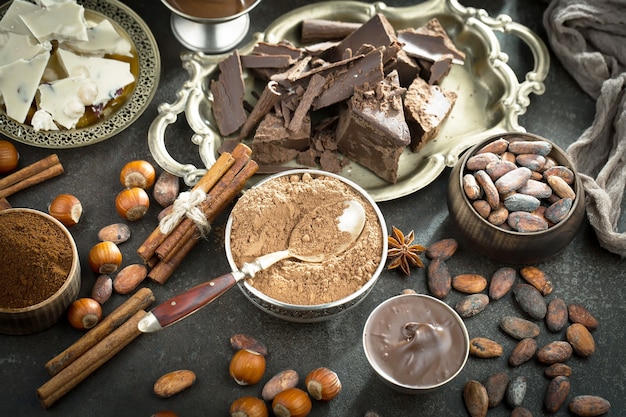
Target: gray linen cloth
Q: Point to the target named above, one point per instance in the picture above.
(589, 38)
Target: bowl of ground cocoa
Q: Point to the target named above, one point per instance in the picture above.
(415, 343)
(262, 221)
(39, 271)
(516, 197)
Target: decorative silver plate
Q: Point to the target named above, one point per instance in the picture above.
(147, 79)
(490, 96)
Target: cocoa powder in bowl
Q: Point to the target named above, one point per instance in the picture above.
(262, 222)
(35, 259)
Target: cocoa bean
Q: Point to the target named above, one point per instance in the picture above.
(556, 394)
(556, 315)
(129, 278)
(553, 352)
(116, 233)
(471, 305)
(244, 341)
(499, 168)
(497, 147)
(537, 189)
(439, 279)
(560, 171)
(558, 369)
(475, 397)
(278, 383)
(482, 208)
(471, 188)
(532, 161)
(501, 282)
(579, 314)
(496, 385)
(560, 187)
(174, 382)
(537, 278)
(508, 156)
(581, 340)
(498, 216)
(519, 328)
(480, 161)
(540, 147)
(558, 210)
(469, 283)
(166, 189)
(523, 351)
(512, 180)
(489, 189)
(589, 405)
(521, 412)
(516, 391)
(524, 222)
(483, 347)
(530, 300)
(521, 202)
(443, 249)
(102, 289)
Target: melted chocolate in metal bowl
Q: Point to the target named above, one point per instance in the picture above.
(211, 9)
(415, 341)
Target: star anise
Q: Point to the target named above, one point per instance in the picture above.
(402, 252)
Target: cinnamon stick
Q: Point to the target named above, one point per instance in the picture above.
(139, 301)
(208, 180)
(241, 153)
(4, 204)
(163, 270)
(76, 372)
(29, 170)
(11, 184)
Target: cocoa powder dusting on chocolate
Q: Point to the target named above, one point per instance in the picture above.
(35, 259)
(263, 220)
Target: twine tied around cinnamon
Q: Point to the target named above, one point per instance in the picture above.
(186, 204)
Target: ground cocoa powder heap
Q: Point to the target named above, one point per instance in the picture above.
(35, 259)
(263, 220)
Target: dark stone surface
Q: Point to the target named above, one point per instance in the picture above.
(583, 273)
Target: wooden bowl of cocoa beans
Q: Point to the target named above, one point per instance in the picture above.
(516, 197)
(39, 271)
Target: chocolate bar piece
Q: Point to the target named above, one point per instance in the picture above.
(427, 107)
(228, 92)
(372, 129)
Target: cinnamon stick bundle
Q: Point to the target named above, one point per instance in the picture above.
(30, 175)
(222, 165)
(165, 252)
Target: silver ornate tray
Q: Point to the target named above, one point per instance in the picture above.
(147, 79)
(490, 96)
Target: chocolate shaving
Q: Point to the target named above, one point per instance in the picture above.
(316, 30)
(313, 90)
(269, 97)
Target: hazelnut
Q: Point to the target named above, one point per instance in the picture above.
(9, 157)
(247, 367)
(323, 384)
(292, 402)
(248, 406)
(132, 203)
(105, 257)
(138, 173)
(84, 313)
(66, 208)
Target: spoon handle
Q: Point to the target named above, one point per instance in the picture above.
(188, 302)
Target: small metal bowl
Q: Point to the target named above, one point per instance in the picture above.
(511, 246)
(40, 316)
(415, 343)
(316, 312)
